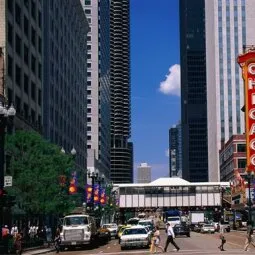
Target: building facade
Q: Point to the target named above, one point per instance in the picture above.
(233, 158)
(224, 26)
(193, 91)
(121, 147)
(65, 76)
(98, 97)
(21, 32)
(143, 173)
(175, 151)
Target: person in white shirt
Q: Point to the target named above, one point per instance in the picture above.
(170, 238)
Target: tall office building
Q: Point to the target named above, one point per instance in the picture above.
(21, 44)
(98, 98)
(193, 91)
(175, 151)
(144, 173)
(121, 148)
(219, 28)
(65, 76)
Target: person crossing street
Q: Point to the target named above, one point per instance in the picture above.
(170, 238)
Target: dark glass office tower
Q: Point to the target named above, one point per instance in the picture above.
(121, 148)
(193, 91)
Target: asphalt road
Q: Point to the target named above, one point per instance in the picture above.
(196, 244)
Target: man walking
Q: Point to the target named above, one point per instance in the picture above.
(170, 238)
(249, 236)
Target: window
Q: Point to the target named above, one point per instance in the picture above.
(25, 107)
(241, 163)
(25, 26)
(18, 75)
(33, 10)
(26, 3)
(32, 116)
(33, 90)
(39, 97)
(87, 11)
(18, 44)
(33, 36)
(241, 147)
(39, 19)
(17, 103)
(89, 65)
(10, 65)
(39, 70)
(17, 14)
(33, 64)
(26, 54)
(10, 6)
(10, 95)
(40, 44)
(10, 33)
(87, 2)
(25, 83)
(88, 38)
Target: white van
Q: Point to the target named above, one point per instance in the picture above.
(78, 230)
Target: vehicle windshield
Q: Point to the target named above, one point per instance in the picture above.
(109, 226)
(208, 225)
(173, 218)
(134, 231)
(76, 220)
(144, 223)
(133, 221)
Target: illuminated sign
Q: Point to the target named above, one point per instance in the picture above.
(247, 63)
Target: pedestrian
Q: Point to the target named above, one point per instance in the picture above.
(18, 243)
(155, 242)
(48, 235)
(14, 230)
(57, 240)
(222, 238)
(249, 237)
(170, 237)
(5, 238)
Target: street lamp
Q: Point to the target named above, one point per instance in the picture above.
(5, 114)
(250, 177)
(93, 176)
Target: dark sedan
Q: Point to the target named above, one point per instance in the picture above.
(181, 229)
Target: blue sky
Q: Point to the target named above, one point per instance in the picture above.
(155, 80)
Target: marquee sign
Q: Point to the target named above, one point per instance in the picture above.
(247, 63)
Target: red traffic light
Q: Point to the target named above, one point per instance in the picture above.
(2, 192)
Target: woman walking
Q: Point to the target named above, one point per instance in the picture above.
(155, 243)
(57, 240)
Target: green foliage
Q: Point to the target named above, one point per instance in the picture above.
(36, 166)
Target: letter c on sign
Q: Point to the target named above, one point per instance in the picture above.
(252, 144)
(252, 113)
(251, 68)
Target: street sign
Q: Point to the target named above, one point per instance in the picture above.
(7, 181)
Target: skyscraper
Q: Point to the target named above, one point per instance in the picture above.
(65, 76)
(193, 91)
(144, 173)
(175, 151)
(121, 148)
(98, 98)
(21, 32)
(217, 31)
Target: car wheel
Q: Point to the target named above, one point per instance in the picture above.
(188, 235)
(228, 230)
(122, 248)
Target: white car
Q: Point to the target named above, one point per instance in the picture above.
(207, 228)
(135, 236)
(112, 227)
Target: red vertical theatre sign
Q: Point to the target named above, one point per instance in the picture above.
(247, 63)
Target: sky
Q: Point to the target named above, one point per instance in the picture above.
(155, 81)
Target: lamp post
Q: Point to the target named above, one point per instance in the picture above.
(93, 176)
(250, 177)
(5, 114)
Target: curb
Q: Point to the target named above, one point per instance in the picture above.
(39, 251)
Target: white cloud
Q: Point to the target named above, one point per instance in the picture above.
(171, 85)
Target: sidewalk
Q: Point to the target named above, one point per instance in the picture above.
(38, 250)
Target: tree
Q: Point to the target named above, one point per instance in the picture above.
(36, 166)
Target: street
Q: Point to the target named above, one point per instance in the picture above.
(196, 244)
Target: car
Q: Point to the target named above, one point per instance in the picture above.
(225, 225)
(104, 234)
(197, 227)
(147, 223)
(121, 230)
(135, 236)
(112, 227)
(133, 221)
(207, 228)
(181, 229)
